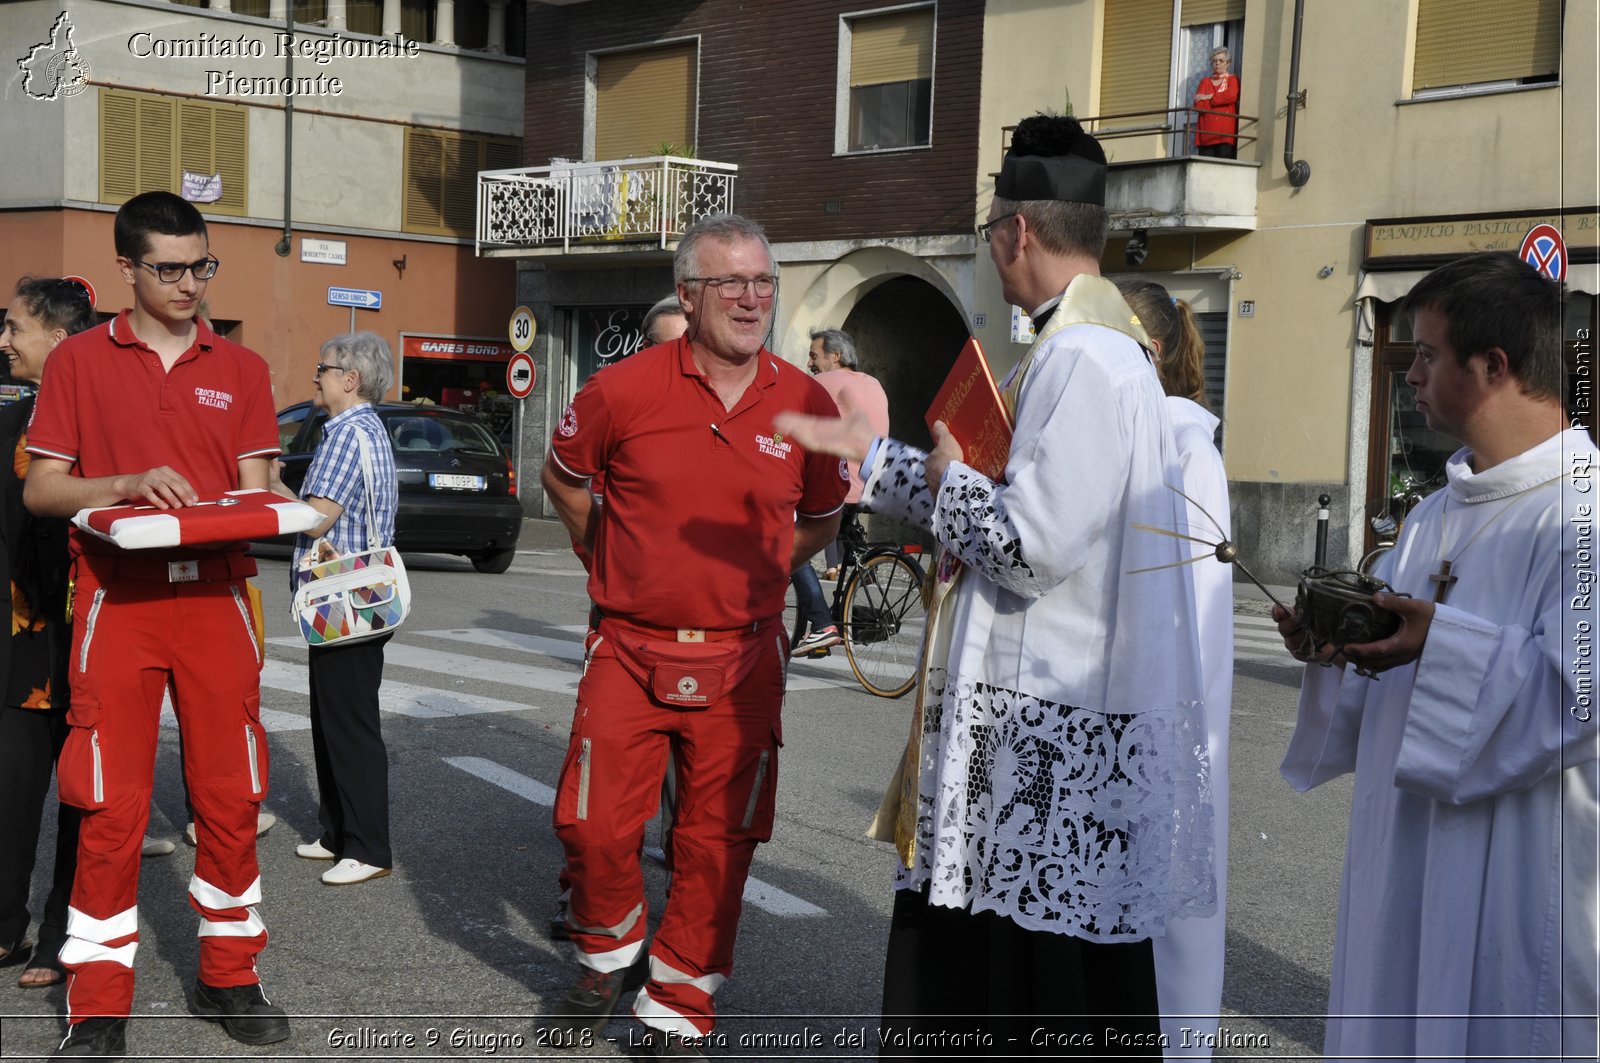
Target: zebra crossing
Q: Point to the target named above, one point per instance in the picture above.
(1256, 639)
(540, 673)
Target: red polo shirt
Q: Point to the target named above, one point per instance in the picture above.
(698, 522)
(107, 406)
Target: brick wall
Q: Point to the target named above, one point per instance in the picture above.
(768, 76)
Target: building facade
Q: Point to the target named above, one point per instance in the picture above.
(866, 136)
(332, 148)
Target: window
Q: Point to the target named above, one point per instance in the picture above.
(1485, 43)
(148, 142)
(645, 100)
(289, 422)
(890, 80)
(441, 176)
(1203, 27)
(1135, 58)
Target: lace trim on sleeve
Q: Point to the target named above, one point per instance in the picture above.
(971, 521)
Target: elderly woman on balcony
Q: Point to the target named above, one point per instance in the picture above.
(1217, 100)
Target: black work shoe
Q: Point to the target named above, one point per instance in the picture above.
(666, 1045)
(102, 1037)
(592, 999)
(244, 1011)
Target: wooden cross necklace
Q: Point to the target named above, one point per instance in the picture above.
(1443, 580)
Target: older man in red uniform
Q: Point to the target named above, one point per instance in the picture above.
(707, 511)
(153, 407)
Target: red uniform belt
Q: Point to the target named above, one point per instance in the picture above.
(209, 569)
(678, 634)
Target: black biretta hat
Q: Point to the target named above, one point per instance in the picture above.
(1051, 157)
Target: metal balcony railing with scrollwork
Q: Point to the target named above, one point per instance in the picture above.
(599, 204)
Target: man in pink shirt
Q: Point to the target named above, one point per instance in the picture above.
(833, 360)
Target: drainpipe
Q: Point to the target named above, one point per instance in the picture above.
(1299, 171)
(286, 243)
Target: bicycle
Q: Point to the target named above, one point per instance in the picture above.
(879, 607)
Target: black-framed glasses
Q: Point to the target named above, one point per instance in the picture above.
(733, 287)
(323, 367)
(172, 272)
(988, 227)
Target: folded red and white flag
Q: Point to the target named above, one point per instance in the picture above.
(235, 516)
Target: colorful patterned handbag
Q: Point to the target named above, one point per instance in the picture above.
(349, 597)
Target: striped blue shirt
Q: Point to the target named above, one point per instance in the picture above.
(335, 474)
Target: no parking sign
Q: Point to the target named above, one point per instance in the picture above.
(1545, 251)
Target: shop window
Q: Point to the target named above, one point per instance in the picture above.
(148, 142)
(1135, 57)
(441, 178)
(889, 102)
(645, 100)
(1406, 458)
(1484, 44)
(603, 336)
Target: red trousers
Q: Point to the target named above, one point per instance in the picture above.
(727, 772)
(132, 639)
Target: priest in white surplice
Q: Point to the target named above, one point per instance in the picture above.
(1467, 917)
(1057, 810)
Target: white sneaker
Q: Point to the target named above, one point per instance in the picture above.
(349, 871)
(816, 642)
(315, 851)
(157, 847)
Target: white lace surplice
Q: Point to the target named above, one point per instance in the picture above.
(1064, 781)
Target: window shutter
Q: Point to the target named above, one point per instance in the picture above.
(891, 48)
(1136, 56)
(119, 147)
(459, 185)
(230, 154)
(1205, 12)
(644, 99)
(1465, 42)
(424, 166)
(502, 154)
(155, 145)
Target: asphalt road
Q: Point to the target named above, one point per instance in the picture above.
(448, 957)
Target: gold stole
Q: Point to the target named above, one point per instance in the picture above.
(1088, 300)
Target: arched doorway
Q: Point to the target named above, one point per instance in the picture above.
(907, 334)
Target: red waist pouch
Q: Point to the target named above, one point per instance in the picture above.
(684, 675)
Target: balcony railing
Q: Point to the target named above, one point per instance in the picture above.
(599, 204)
(1156, 134)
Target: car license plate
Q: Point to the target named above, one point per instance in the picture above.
(456, 481)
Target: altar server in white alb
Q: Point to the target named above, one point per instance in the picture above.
(1467, 916)
(1055, 811)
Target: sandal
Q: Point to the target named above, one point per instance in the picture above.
(52, 968)
(17, 953)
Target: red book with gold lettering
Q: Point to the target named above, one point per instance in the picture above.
(971, 407)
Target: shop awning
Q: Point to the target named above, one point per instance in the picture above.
(1390, 286)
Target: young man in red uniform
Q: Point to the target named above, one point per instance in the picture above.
(707, 511)
(153, 407)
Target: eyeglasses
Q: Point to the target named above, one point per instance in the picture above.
(172, 272)
(733, 287)
(323, 367)
(988, 227)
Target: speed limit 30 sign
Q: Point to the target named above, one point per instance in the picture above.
(522, 329)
